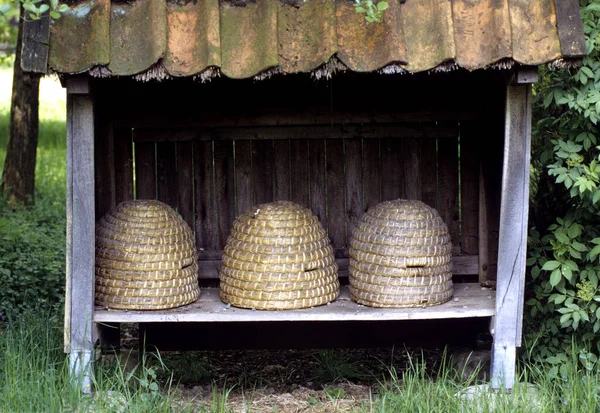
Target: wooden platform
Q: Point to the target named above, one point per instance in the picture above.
(470, 300)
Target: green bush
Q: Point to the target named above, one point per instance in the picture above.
(563, 308)
(32, 242)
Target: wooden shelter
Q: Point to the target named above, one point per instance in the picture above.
(213, 106)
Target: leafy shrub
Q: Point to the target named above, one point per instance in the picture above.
(32, 242)
(564, 244)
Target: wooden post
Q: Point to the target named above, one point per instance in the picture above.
(79, 301)
(513, 235)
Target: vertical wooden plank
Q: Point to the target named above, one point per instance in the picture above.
(429, 172)
(263, 165)
(80, 128)
(371, 173)
(185, 182)
(392, 184)
(145, 170)
(166, 173)
(411, 168)
(354, 187)
(244, 198)
(318, 192)
(104, 154)
(300, 177)
(512, 247)
(448, 185)
(205, 197)
(282, 187)
(336, 217)
(224, 190)
(469, 177)
(123, 164)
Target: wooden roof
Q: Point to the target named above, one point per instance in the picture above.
(161, 39)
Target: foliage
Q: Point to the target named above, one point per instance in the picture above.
(36, 8)
(564, 244)
(335, 366)
(373, 11)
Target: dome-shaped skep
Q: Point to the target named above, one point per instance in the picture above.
(145, 258)
(278, 257)
(400, 256)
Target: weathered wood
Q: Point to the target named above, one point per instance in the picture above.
(78, 85)
(336, 216)
(300, 172)
(469, 176)
(513, 232)
(36, 41)
(80, 128)
(429, 173)
(276, 132)
(318, 189)
(570, 28)
(526, 74)
(104, 154)
(472, 302)
(504, 359)
(448, 186)
(185, 182)
(123, 164)
(392, 183)
(465, 264)
(263, 165)
(145, 170)
(371, 174)
(206, 237)
(411, 168)
(282, 184)
(354, 185)
(224, 190)
(166, 173)
(244, 194)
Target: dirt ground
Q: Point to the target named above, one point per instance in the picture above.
(283, 381)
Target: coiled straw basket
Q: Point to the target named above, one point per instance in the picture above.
(145, 258)
(278, 257)
(400, 256)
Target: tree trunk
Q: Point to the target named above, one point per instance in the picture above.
(18, 176)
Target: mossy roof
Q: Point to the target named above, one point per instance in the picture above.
(204, 38)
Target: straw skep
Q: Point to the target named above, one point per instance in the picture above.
(400, 256)
(278, 257)
(145, 258)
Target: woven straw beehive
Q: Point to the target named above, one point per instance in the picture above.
(400, 256)
(278, 257)
(145, 258)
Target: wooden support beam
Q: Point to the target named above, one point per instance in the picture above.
(513, 235)
(79, 302)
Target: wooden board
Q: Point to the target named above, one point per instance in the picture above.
(281, 182)
(123, 164)
(224, 191)
(318, 190)
(145, 170)
(336, 217)
(104, 166)
(392, 184)
(166, 173)
(411, 168)
(469, 175)
(244, 197)
(354, 185)
(371, 173)
(206, 238)
(300, 174)
(470, 300)
(185, 182)
(448, 186)
(263, 165)
(429, 173)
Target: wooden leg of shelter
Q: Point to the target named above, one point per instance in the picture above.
(80, 232)
(513, 235)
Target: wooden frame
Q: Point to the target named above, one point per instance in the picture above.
(482, 186)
